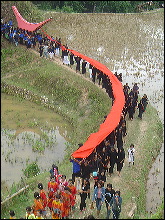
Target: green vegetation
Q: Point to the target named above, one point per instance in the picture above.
(38, 146)
(160, 212)
(79, 105)
(78, 102)
(27, 9)
(95, 6)
(83, 111)
(31, 170)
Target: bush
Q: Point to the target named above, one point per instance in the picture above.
(31, 170)
(67, 9)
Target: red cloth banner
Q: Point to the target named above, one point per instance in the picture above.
(113, 117)
(22, 23)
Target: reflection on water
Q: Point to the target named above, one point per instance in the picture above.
(144, 65)
(29, 133)
(155, 184)
(149, 76)
(17, 151)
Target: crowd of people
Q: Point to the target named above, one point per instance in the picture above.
(50, 48)
(53, 48)
(59, 200)
(61, 196)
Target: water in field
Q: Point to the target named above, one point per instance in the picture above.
(155, 183)
(131, 44)
(29, 134)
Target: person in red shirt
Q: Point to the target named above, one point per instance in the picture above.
(53, 187)
(73, 191)
(67, 199)
(43, 198)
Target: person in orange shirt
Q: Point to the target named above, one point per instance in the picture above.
(73, 191)
(53, 187)
(67, 201)
(43, 198)
(57, 207)
(37, 203)
(50, 200)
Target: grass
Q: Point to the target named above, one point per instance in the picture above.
(146, 147)
(144, 143)
(44, 78)
(48, 79)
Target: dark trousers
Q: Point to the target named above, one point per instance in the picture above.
(98, 204)
(119, 144)
(116, 214)
(83, 199)
(119, 166)
(140, 114)
(111, 167)
(41, 52)
(93, 78)
(108, 211)
(130, 115)
(21, 40)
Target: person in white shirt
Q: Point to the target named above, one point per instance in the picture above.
(131, 153)
(45, 50)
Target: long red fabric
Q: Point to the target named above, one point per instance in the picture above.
(22, 23)
(114, 115)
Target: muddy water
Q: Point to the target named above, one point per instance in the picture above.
(26, 126)
(155, 184)
(139, 55)
(131, 44)
(145, 66)
(141, 60)
(148, 72)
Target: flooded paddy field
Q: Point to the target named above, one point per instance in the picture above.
(155, 183)
(131, 44)
(29, 133)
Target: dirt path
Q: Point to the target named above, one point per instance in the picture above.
(115, 180)
(58, 61)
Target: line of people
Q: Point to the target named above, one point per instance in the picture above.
(104, 157)
(50, 49)
(131, 101)
(30, 39)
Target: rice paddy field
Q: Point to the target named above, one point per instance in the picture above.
(131, 44)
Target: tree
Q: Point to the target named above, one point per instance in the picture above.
(77, 6)
(95, 6)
